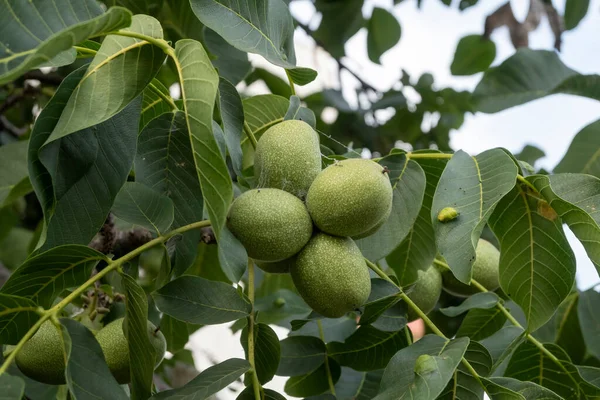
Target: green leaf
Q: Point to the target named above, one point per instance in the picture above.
(575, 10)
(481, 323)
(383, 33)
(36, 33)
(583, 155)
(175, 331)
(313, 383)
(472, 186)
(537, 266)
(529, 363)
(141, 205)
(11, 387)
(94, 163)
(165, 162)
(355, 385)
(199, 89)
(300, 355)
(529, 75)
(200, 301)
(368, 348)
(463, 385)
(569, 331)
(501, 388)
(423, 369)
(418, 250)
(87, 373)
(153, 105)
(484, 300)
(302, 76)
(341, 19)
(264, 27)
(233, 65)
(530, 154)
(13, 169)
(275, 84)
(232, 255)
(232, 113)
(268, 394)
(142, 355)
(133, 61)
(263, 111)
(271, 310)
(337, 329)
(383, 296)
(209, 382)
(17, 315)
(502, 343)
(408, 184)
(473, 54)
(589, 301)
(43, 277)
(267, 351)
(590, 374)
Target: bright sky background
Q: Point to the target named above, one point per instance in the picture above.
(428, 42)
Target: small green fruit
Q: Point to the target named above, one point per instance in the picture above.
(485, 271)
(374, 229)
(42, 357)
(114, 345)
(331, 275)
(276, 267)
(271, 224)
(426, 292)
(288, 157)
(349, 198)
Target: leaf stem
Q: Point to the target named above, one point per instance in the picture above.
(255, 383)
(415, 156)
(160, 43)
(85, 50)
(112, 265)
(524, 181)
(168, 99)
(291, 81)
(250, 135)
(329, 378)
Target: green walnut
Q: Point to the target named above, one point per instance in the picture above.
(485, 271)
(374, 229)
(331, 275)
(350, 197)
(277, 267)
(114, 345)
(288, 157)
(42, 357)
(271, 224)
(426, 291)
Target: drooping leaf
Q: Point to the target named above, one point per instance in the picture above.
(472, 186)
(529, 75)
(17, 315)
(502, 388)
(11, 387)
(143, 206)
(165, 162)
(232, 113)
(529, 363)
(141, 352)
(154, 104)
(502, 343)
(199, 82)
(589, 301)
(537, 266)
(423, 369)
(233, 257)
(43, 277)
(233, 64)
(355, 385)
(300, 355)
(301, 75)
(267, 351)
(200, 301)
(582, 155)
(383, 296)
(368, 348)
(87, 374)
(315, 382)
(418, 250)
(383, 33)
(473, 54)
(477, 301)
(481, 323)
(84, 170)
(408, 183)
(40, 32)
(463, 385)
(209, 382)
(133, 61)
(575, 10)
(575, 197)
(13, 168)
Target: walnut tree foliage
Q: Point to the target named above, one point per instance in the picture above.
(114, 197)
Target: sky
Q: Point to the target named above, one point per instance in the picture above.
(428, 41)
